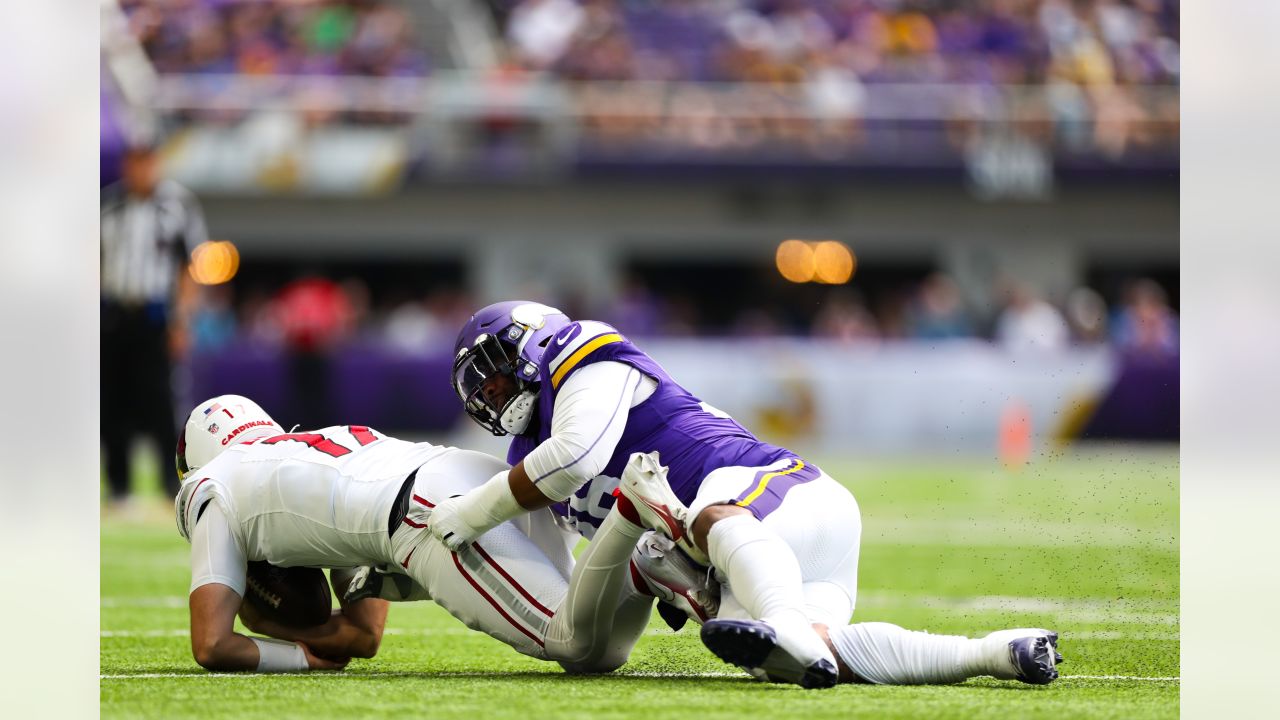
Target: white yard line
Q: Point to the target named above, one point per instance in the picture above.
(1122, 677)
(458, 631)
(168, 601)
(1119, 635)
(499, 675)
(1153, 612)
(1001, 533)
(1076, 635)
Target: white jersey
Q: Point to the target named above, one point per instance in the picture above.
(324, 499)
(319, 499)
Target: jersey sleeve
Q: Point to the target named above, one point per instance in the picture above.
(589, 418)
(216, 556)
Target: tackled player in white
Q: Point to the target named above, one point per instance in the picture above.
(349, 496)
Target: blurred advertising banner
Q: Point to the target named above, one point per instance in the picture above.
(938, 398)
(951, 396)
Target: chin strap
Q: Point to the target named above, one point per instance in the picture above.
(516, 416)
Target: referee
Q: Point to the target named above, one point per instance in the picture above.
(149, 227)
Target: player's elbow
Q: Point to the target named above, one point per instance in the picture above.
(366, 645)
(562, 485)
(208, 654)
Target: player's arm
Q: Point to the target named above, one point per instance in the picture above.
(353, 631)
(218, 568)
(590, 415)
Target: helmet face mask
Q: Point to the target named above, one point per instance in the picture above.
(497, 359)
(480, 374)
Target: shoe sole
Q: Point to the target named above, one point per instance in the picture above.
(665, 514)
(1037, 658)
(753, 646)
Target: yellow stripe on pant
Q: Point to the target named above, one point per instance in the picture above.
(764, 483)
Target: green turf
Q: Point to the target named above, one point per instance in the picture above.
(1085, 543)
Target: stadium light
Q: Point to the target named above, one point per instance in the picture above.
(828, 262)
(795, 261)
(833, 262)
(214, 262)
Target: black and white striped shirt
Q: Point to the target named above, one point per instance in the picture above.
(146, 241)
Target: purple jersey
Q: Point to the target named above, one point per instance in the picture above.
(691, 438)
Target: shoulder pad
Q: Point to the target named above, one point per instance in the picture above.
(573, 344)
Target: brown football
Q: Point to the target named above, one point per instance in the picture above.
(297, 597)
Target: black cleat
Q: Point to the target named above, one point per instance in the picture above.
(753, 646)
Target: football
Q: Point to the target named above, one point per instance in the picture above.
(296, 597)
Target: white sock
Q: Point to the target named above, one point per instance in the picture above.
(886, 654)
(765, 578)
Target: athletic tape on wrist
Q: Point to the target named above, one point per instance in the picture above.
(280, 656)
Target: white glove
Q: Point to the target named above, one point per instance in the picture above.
(463, 518)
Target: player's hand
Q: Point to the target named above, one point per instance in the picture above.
(316, 662)
(365, 583)
(448, 522)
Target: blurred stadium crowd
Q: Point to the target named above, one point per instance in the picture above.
(1086, 42)
(314, 313)
(251, 37)
(823, 75)
(1089, 42)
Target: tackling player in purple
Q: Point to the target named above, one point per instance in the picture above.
(581, 401)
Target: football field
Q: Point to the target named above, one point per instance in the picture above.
(1085, 543)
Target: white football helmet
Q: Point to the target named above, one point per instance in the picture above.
(217, 424)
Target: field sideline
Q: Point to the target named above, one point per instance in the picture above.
(1085, 543)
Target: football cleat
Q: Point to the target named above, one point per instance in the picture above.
(755, 646)
(644, 483)
(1029, 655)
(683, 588)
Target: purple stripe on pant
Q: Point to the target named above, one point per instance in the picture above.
(777, 487)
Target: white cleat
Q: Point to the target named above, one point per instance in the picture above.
(1026, 654)
(659, 566)
(644, 483)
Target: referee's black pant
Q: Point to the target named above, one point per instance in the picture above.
(137, 395)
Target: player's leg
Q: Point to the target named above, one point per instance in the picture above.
(757, 564)
(821, 523)
(886, 654)
(157, 413)
(602, 616)
(816, 518)
(505, 584)
(117, 409)
(500, 585)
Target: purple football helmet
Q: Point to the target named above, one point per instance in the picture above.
(503, 340)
